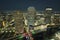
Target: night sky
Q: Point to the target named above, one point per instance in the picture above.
(24, 4)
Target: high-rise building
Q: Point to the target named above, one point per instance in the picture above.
(31, 13)
(48, 14)
(19, 23)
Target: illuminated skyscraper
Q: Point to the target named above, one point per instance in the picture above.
(19, 23)
(31, 13)
(48, 14)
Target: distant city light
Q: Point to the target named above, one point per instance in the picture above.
(48, 8)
